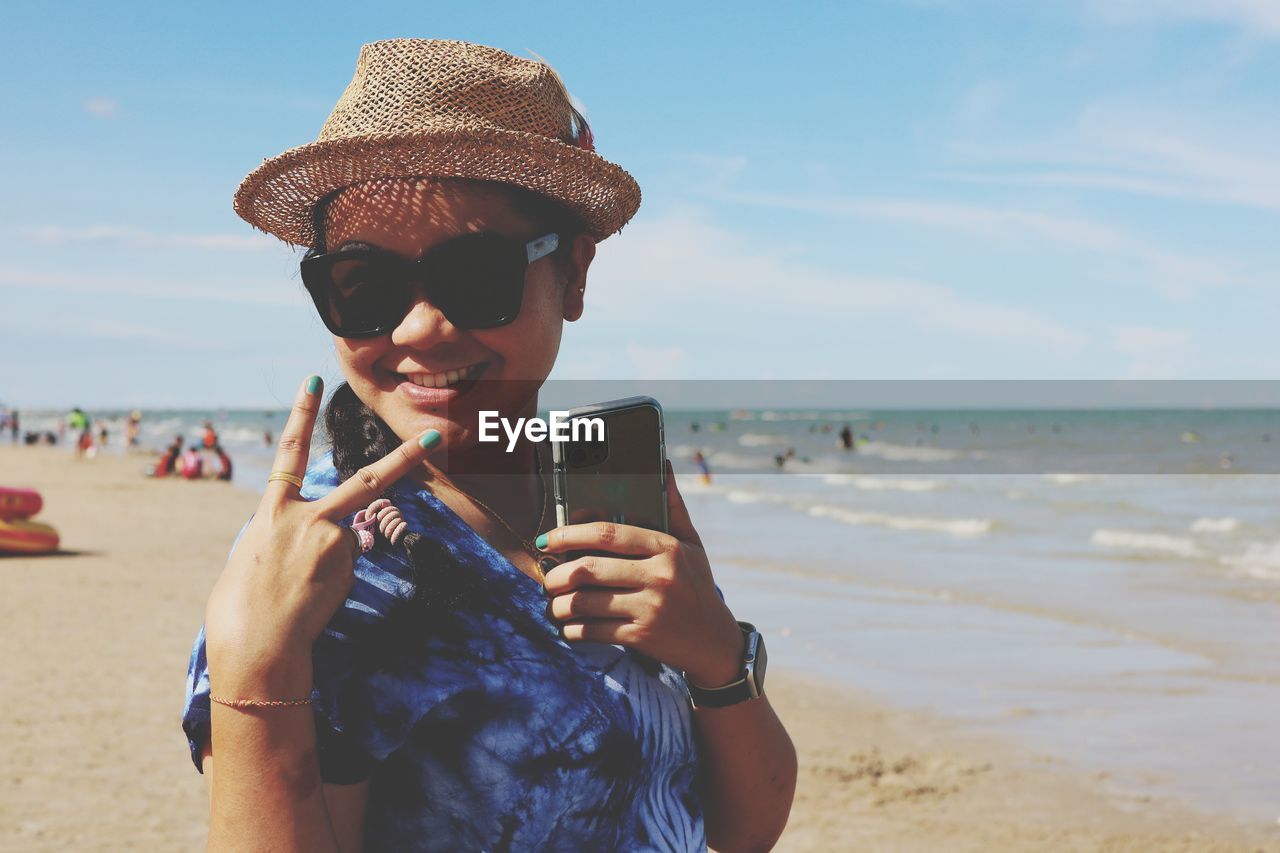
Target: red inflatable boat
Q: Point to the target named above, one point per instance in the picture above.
(19, 503)
(27, 537)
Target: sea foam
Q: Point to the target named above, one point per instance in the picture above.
(882, 484)
(960, 527)
(1215, 525)
(1260, 560)
(919, 453)
(1152, 543)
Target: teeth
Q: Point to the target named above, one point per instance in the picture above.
(443, 380)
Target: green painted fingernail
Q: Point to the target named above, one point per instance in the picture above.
(429, 439)
(313, 384)
(540, 542)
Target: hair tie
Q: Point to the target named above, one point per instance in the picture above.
(391, 523)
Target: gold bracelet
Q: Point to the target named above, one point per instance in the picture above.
(259, 703)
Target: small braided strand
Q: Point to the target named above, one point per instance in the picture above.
(259, 703)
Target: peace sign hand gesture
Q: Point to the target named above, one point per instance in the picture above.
(294, 564)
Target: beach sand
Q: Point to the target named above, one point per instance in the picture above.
(95, 647)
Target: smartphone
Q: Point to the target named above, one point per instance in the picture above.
(612, 467)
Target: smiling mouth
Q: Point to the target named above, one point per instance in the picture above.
(445, 378)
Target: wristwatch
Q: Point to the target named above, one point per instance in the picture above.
(749, 686)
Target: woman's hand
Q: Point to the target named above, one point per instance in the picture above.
(293, 566)
(650, 591)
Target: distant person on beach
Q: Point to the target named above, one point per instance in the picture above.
(133, 429)
(77, 423)
(13, 426)
(84, 445)
(223, 471)
(167, 463)
(102, 433)
(191, 464)
(210, 435)
(704, 470)
(846, 438)
(406, 651)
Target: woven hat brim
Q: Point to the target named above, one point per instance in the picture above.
(278, 197)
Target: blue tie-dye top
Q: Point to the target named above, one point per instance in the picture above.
(489, 731)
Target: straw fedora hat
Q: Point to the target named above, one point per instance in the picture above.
(437, 108)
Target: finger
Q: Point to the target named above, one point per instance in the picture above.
(598, 604)
(678, 521)
(369, 482)
(606, 536)
(594, 571)
(623, 632)
(295, 439)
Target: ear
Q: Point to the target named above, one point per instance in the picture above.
(580, 257)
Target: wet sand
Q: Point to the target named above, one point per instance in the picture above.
(95, 646)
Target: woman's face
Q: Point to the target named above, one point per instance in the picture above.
(393, 374)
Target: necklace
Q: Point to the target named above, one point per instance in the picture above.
(543, 563)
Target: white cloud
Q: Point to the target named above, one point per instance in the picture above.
(684, 260)
(64, 326)
(139, 238)
(1127, 147)
(238, 291)
(1234, 163)
(1170, 272)
(105, 108)
(1260, 17)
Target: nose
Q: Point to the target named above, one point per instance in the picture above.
(423, 326)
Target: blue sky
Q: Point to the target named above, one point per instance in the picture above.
(1078, 189)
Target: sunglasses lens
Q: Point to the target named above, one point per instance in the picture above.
(478, 281)
(362, 296)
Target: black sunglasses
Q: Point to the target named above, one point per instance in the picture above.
(476, 280)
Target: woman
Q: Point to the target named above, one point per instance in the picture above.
(396, 660)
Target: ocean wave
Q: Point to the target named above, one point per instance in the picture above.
(918, 453)
(1260, 560)
(882, 484)
(163, 427)
(1072, 479)
(240, 435)
(1152, 543)
(1214, 525)
(959, 527)
(761, 439)
(741, 496)
(727, 459)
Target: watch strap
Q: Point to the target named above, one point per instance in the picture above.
(732, 693)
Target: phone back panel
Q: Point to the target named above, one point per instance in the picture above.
(623, 477)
